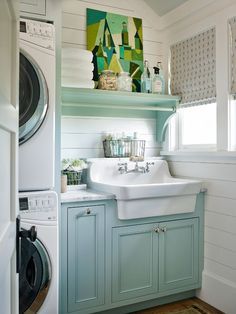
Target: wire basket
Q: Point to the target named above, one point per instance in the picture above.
(73, 177)
(123, 148)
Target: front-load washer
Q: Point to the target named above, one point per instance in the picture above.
(36, 106)
(38, 274)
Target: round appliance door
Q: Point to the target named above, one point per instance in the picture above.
(33, 97)
(34, 276)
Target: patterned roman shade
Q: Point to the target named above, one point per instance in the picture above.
(193, 69)
(232, 25)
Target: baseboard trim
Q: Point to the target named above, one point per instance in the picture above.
(218, 292)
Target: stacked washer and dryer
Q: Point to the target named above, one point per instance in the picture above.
(38, 273)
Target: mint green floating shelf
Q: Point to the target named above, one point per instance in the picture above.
(76, 101)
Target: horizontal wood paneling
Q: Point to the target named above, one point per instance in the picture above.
(221, 205)
(220, 269)
(223, 238)
(98, 153)
(221, 222)
(108, 125)
(220, 255)
(82, 136)
(74, 25)
(217, 171)
(80, 6)
(221, 188)
(86, 140)
(220, 214)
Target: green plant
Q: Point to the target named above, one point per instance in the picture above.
(73, 164)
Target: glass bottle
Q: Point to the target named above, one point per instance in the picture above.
(146, 82)
(159, 65)
(157, 84)
(124, 82)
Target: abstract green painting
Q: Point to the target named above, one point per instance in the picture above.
(116, 42)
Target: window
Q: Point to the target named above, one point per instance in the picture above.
(193, 78)
(232, 125)
(193, 128)
(232, 108)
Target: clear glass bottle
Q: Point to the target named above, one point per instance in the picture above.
(124, 82)
(159, 65)
(107, 80)
(146, 81)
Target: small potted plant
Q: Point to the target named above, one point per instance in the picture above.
(73, 168)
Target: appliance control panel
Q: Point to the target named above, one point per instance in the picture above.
(39, 33)
(38, 205)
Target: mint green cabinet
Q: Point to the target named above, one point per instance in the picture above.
(107, 264)
(134, 261)
(178, 254)
(152, 258)
(86, 264)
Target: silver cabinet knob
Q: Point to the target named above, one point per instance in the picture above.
(156, 229)
(88, 211)
(163, 229)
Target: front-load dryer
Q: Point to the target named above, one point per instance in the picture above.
(36, 105)
(38, 273)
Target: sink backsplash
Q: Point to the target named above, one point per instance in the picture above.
(82, 136)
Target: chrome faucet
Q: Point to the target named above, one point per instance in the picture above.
(123, 168)
(138, 168)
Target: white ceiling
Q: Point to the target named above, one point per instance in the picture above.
(161, 7)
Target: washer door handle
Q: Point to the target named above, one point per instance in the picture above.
(31, 234)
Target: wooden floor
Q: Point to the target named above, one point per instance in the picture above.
(181, 305)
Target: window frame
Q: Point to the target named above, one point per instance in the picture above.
(175, 136)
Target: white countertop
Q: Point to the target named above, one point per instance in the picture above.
(85, 195)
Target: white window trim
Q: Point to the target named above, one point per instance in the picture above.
(178, 146)
(220, 21)
(197, 147)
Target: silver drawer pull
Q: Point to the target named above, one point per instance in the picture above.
(88, 211)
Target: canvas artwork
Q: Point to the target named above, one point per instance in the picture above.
(116, 42)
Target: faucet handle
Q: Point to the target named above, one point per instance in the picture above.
(122, 167)
(149, 163)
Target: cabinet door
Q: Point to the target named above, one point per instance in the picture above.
(134, 261)
(86, 238)
(33, 6)
(178, 254)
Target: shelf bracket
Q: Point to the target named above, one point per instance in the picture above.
(162, 120)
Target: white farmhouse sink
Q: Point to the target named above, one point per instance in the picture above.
(139, 195)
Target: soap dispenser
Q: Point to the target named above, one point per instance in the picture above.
(146, 82)
(157, 84)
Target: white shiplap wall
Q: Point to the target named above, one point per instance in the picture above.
(82, 136)
(219, 277)
(74, 23)
(218, 173)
